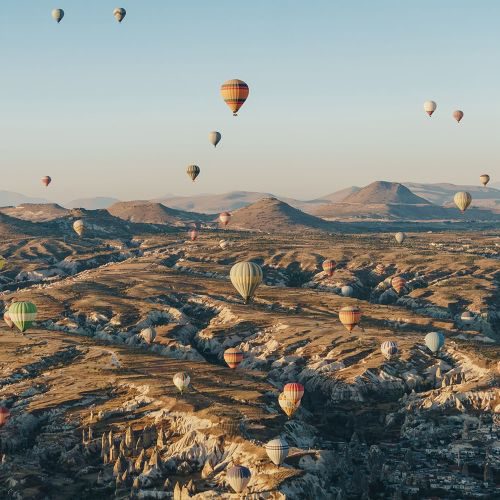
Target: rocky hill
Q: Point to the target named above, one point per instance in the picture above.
(36, 211)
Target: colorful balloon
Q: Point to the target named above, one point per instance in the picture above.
(398, 284)
(350, 316)
(214, 138)
(181, 381)
(485, 178)
(22, 314)
(294, 391)
(329, 266)
(224, 218)
(400, 237)
(277, 450)
(434, 341)
(7, 320)
(380, 269)
(467, 317)
(246, 277)
(119, 14)
(458, 115)
(462, 200)
(3, 262)
(46, 180)
(389, 349)
(57, 15)
(80, 227)
(430, 107)
(193, 234)
(4, 415)
(234, 93)
(238, 477)
(233, 357)
(193, 171)
(289, 407)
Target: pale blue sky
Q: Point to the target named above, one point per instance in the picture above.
(336, 98)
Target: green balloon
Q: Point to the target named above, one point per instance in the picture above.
(23, 314)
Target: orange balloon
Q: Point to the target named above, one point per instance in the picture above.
(234, 93)
(350, 316)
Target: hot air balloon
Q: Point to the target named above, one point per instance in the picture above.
(223, 244)
(193, 171)
(430, 107)
(7, 320)
(181, 381)
(434, 341)
(119, 14)
(22, 314)
(398, 284)
(79, 227)
(485, 178)
(233, 357)
(347, 291)
(467, 317)
(57, 15)
(350, 316)
(380, 269)
(246, 277)
(224, 218)
(389, 349)
(4, 415)
(400, 237)
(3, 262)
(214, 138)
(46, 180)
(289, 407)
(294, 391)
(458, 115)
(193, 234)
(238, 477)
(329, 266)
(234, 93)
(462, 200)
(277, 450)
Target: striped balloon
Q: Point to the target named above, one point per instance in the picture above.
(462, 200)
(46, 180)
(79, 227)
(193, 171)
(23, 314)
(379, 269)
(485, 178)
(398, 284)
(181, 381)
(214, 138)
(467, 317)
(233, 357)
(430, 107)
(293, 392)
(234, 93)
(277, 450)
(389, 349)
(119, 14)
(4, 415)
(400, 237)
(246, 277)
(329, 266)
(434, 341)
(57, 15)
(350, 316)
(224, 218)
(458, 115)
(7, 320)
(238, 477)
(3, 262)
(193, 234)
(289, 407)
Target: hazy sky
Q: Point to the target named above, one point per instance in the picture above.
(336, 94)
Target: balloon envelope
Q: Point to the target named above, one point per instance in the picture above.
(430, 107)
(379, 269)
(434, 341)
(485, 178)
(7, 320)
(398, 284)
(246, 277)
(238, 477)
(329, 266)
(233, 357)
(223, 244)
(214, 138)
(224, 218)
(4, 415)
(23, 314)
(234, 93)
(389, 349)
(181, 381)
(462, 200)
(400, 237)
(277, 450)
(3, 262)
(46, 180)
(57, 15)
(289, 407)
(193, 234)
(193, 171)
(347, 291)
(458, 115)
(294, 391)
(119, 14)
(79, 227)
(350, 317)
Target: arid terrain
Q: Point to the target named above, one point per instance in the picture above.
(94, 412)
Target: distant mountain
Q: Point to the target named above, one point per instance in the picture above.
(12, 199)
(337, 195)
(36, 212)
(153, 213)
(273, 215)
(99, 202)
(385, 192)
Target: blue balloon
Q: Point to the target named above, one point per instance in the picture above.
(434, 341)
